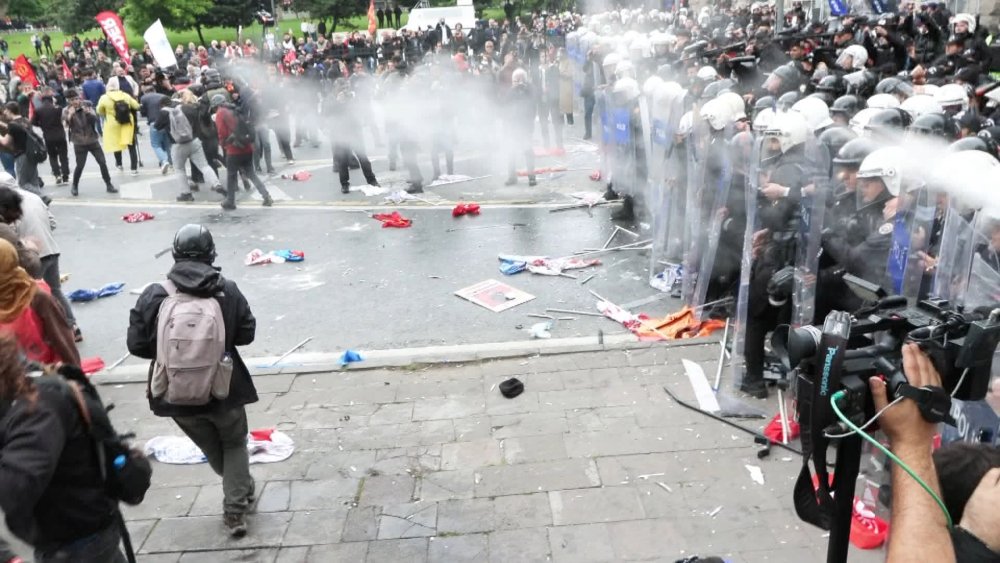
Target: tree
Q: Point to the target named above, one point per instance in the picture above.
(174, 14)
(229, 13)
(26, 10)
(337, 10)
(78, 15)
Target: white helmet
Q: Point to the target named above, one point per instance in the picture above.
(685, 125)
(707, 73)
(859, 122)
(816, 112)
(611, 60)
(762, 121)
(639, 47)
(650, 85)
(919, 105)
(887, 165)
(624, 69)
(858, 55)
(717, 113)
(737, 107)
(883, 101)
(952, 95)
(790, 128)
(968, 19)
(626, 89)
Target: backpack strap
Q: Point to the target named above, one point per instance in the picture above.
(170, 287)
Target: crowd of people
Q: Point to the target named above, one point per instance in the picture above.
(777, 162)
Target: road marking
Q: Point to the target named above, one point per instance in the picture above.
(301, 205)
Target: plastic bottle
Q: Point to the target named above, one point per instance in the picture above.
(226, 360)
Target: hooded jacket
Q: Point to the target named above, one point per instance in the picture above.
(202, 280)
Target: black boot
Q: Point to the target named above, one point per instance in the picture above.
(610, 194)
(625, 212)
(754, 387)
(415, 188)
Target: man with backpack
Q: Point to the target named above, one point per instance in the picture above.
(181, 123)
(64, 468)
(28, 150)
(203, 385)
(236, 135)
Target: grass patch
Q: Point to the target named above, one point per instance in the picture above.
(20, 42)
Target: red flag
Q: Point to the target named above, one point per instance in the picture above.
(24, 71)
(67, 73)
(371, 18)
(113, 29)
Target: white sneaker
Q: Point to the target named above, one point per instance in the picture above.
(165, 168)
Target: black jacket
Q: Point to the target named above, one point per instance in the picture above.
(190, 112)
(51, 490)
(197, 278)
(49, 119)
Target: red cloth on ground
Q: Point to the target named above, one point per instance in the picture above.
(465, 209)
(393, 219)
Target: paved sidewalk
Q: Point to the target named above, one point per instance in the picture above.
(592, 463)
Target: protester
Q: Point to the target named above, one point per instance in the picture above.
(118, 110)
(82, 122)
(150, 105)
(181, 122)
(217, 426)
(236, 136)
(21, 141)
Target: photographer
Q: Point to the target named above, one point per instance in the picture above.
(915, 514)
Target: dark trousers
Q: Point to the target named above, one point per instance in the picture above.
(210, 146)
(342, 155)
(756, 335)
(284, 142)
(408, 151)
(241, 163)
(222, 437)
(133, 158)
(59, 158)
(101, 547)
(262, 148)
(588, 115)
(50, 273)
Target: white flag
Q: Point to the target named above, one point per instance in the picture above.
(159, 45)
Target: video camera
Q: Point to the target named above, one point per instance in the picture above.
(849, 349)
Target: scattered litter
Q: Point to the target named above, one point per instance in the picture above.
(541, 330)
(393, 219)
(715, 512)
(775, 430)
(669, 279)
(84, 295)
(755, 474)
(349, 357)
(370, 191)
(465, 209)
(574, 312)
(511, 264)
(664, 486)
(264, 446)
(648, 475)
(587, 279)
(257, 257)
(300, 176)
(566, 318)
(545, 151)
(289, 352)
(511, 388)
(355, 228)
(119, 361)
(494, 295)
(91, 365)
(138, 217)
(540, 171)
(537, 316)
(399, 196)
(446, 179)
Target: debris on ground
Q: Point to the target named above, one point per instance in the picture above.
(370, 191)
(541, 330)
(511, 388)
(756, 475)
(393, 219)
(446, 179)
(350, 357)
(465, 209)
(138, 217)
(91, 365)
(540, 171)
(257, 257)
(300, 176)
(263, 445)
(84, 295)
(494, 295)
(511, 264)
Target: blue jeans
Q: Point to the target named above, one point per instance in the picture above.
(161, 142)
(101, 547)
(7, 161)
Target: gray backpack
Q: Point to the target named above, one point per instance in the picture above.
(192, 366)
(180, 126)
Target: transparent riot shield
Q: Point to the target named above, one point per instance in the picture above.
(602, 106)
(815, 193)
(665, 205)
(983, 287)
(626, 153)
(753, 235)
(697, 205)
(910, 254)
(958, 242)
(711, 265)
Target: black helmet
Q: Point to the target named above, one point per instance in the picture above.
(835, 138)
(194, 242)
(854, 152)
(832, 85)
(790, 77)
(889, 121)
(718, 87)
(894, 86)
(985, 144)
(787, 100)
(935, 124)
(764, 102)
(848, 105)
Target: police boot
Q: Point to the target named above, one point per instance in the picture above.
(625, 212)
(610, 194)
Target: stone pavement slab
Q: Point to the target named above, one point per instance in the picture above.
(595, 464)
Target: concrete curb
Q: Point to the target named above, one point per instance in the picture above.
(431, 355)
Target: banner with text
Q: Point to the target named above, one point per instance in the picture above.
(113, 29)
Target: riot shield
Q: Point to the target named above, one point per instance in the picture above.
(808, 246)
(665, 203)
(602, 106)
(983, 286)
(915, 280)
(697, 204)
(958, 240)
(626, 152)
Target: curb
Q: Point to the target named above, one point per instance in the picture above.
(432, 355)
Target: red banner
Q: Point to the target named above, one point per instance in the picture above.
(67, 73)
(371, 18)
(24, 71)
(113, 29)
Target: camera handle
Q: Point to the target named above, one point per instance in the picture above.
(934, 402)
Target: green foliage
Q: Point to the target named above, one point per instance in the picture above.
(336, 10)
(229, 13)
(175, 14)
(29, 10)
(78, 15)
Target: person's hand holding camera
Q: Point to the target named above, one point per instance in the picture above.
(903, 423)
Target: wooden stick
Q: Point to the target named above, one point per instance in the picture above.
(574, 312)
(578, 206)
(590, 277)
(288, 353)
(611, 238)
(119, 362)
(537, 316)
